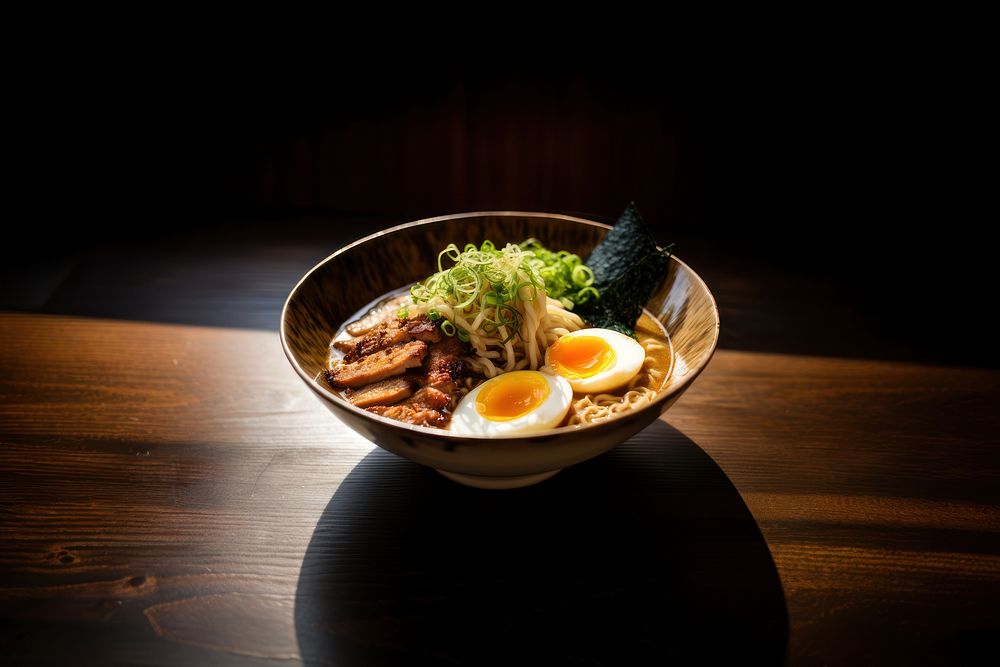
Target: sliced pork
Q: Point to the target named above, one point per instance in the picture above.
(389, 333)
(378, 365)
(443, 365)
(428, 398)
(401, 369)
(385, 392)
(411, 415)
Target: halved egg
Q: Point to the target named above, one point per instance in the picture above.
(514, 402)
(595, 360)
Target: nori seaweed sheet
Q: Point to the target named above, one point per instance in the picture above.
(628, 267)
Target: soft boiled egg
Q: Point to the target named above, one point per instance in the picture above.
(595, 360)
(514, 402)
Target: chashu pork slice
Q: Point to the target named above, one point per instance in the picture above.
(443, 365)
(378, 366)
(384, 392)
(428, 398)
(411, 415)
(424, 408)
(389, 333)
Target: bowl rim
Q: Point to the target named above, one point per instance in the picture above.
(344, 404)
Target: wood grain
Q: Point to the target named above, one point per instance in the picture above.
(174, 495)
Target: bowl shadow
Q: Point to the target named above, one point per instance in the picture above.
(644, 554)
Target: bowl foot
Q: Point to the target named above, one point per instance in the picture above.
(484, 482)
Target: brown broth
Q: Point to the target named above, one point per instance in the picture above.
(650, 328)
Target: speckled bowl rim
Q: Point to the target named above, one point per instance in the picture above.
(344, 404)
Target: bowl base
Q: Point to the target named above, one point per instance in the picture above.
(485, 482)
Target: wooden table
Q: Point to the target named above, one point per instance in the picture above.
(175, 495)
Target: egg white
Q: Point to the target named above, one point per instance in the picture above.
(629, 357)
(466, 419)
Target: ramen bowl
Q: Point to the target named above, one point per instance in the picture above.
(362, 272)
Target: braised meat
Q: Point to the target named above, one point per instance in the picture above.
(443, 365)
(381, 337)
(411, 415)
(428, 398)
(375, 365)
(422, 328)
(378, 365)
(389, 333)
(385, 392)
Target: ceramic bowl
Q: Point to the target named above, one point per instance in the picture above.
(336, 288)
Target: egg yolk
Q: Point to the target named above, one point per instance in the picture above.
(512, 395)
(580, 356)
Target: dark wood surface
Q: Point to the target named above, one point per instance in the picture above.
(173, 495)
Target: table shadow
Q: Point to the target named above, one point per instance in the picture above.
(642, 555)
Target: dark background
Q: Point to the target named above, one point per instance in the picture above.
(830, 204)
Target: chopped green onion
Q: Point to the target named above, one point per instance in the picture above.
(403, 313)
(584, 295)
(565, 275)
(582, 275)
(489, 284)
